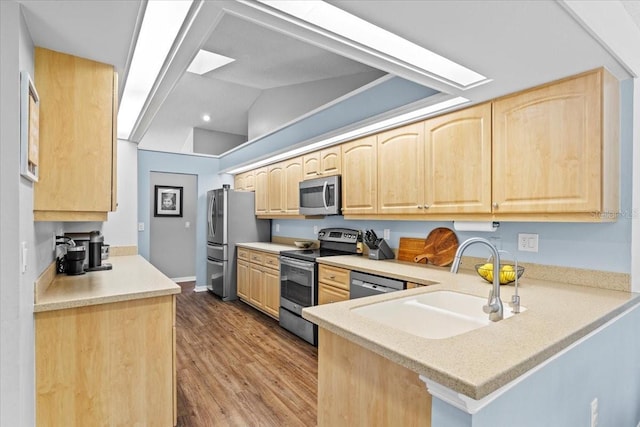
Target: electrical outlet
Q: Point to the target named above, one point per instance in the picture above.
(277, 227)
(594, 412)
(141, 226)
(315, 229)
(54, 241)
(527, 242)
(387, 233)
(23, 256)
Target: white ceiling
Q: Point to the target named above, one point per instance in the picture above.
(518, 44)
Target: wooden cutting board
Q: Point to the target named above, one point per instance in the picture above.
(409, 248)
(440, 247)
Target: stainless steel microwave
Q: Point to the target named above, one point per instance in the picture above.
(320, 196)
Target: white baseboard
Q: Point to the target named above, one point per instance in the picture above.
(184, 279)
(204, 289)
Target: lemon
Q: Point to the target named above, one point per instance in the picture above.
(489, 276)
(488, 266)
(507, 268)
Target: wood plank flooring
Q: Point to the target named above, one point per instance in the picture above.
(236, 367)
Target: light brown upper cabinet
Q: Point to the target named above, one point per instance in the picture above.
(245, 181)
(78, 110)
(457, 162)
(441, 165)
(277, 188)
(322, 163)
(359, 176)
(262, 190)
(292, 178)
(401, 170)
(556, 149)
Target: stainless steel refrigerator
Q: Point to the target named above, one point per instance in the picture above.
(230, 220)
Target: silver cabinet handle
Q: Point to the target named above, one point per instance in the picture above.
(419, 206)
(495, 205)
(426, 206)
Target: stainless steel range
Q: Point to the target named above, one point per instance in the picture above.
(299, 278)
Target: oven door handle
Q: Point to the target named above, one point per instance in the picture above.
(299, 264)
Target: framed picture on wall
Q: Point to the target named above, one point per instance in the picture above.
(29, 127)
(167, 201)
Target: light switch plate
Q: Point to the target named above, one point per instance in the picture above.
(527, 242)
(141, 226)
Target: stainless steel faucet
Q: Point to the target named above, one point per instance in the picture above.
(494, 304)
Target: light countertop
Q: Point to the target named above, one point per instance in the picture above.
(132, 277)
(481, 361)
(275, 248)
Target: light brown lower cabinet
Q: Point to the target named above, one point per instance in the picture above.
(357, 387)
(107, 364)
(259, 280)
(333, 284)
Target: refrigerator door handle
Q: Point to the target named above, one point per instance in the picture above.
(214, 217)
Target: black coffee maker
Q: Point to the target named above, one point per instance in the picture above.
(96, 241)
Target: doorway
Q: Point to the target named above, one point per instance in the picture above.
(172, 232)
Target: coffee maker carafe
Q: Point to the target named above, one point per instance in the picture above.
(96, 241)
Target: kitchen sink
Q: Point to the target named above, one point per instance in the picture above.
(434, 315)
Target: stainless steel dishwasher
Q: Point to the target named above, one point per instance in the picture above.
(364, 285)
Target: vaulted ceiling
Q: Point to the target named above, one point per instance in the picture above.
(516, 44)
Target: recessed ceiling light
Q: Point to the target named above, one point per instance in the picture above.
(160, 25)
(206, 61)
(368, 35)
(206, 118)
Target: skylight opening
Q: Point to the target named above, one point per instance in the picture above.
(160, 26)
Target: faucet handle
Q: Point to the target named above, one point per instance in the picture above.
(515, 304)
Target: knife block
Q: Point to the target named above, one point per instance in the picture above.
(382, 251)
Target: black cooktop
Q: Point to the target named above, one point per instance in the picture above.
(312, 254)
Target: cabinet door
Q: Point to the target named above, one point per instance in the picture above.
(311, 165)
(256, 288)
(243, 280)
(331, 161)
(238, 182)
(262, 191)
(249, 181)
(272, 292)
(293, 176)
(401, 170)
(547, 151)
(328, 294)
(359, 176)
(77, 143)
(334, 276)
(276, 188)
(458, 162)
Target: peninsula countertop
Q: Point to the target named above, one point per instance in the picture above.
(478, 362)
(132, 277)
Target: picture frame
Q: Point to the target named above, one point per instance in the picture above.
(167, 201)
(29, 128)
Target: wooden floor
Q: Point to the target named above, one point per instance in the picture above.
(237, 367)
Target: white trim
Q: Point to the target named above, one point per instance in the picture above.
(184, 279)
(200, 289)
(471, 406)
(635, 190)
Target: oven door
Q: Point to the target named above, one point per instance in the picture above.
(297, 284)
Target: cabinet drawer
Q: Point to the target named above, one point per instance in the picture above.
(328, 294)
(272, 261)
(243, 254)
(334, 276)
(256, 257)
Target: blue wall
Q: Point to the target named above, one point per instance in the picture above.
(206, 168)
(603, 246)
(604, 366)
(386, 96)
